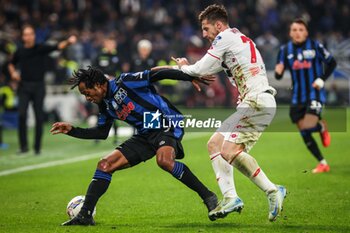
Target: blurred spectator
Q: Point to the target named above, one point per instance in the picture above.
(171, 26)
(30, 61)
(108, 59)
(268, 44)
(144, 59)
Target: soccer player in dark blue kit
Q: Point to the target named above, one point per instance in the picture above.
(310, 65)
(129, 98)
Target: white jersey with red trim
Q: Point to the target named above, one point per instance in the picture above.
(238, 56)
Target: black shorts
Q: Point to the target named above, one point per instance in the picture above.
(297, 112)
(142, 147)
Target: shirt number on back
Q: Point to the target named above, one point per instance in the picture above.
(252, 48)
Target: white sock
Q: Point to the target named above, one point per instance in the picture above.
(323, 161)
(224, 175)
(261, 180)
(246, 164)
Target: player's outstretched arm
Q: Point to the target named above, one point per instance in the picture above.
(179, 61)
(156, 75)
(98, 132)
(65, 43)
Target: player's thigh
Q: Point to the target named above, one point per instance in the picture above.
(297, 113)
(137, 149)
(113, 161)
(308, 121)
(160, 138)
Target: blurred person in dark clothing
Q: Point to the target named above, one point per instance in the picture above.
(108, 60)
(111, 64)
(30, 61)
(144, 59)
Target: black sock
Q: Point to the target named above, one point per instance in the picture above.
(317, 128)
(97, 188)
(311, 144)
(184, 174)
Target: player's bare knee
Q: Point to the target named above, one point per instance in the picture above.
(104, 165)
(212, 146)
(165, 162)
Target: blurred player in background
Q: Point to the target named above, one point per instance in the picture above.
(30, 61)
(305, 58)
(129, 98)
(237, 55)
(111, 64)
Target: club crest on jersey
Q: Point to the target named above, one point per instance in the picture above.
(216, 40)
(120, 95)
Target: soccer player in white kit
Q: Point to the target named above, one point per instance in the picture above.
(237, 55)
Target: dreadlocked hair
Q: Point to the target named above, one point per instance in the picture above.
(90, 77)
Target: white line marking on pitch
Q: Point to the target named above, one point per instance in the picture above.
(50, 164)
(73, 160)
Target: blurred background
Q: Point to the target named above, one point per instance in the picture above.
(147, 33)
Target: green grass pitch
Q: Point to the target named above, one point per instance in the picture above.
(146, 199)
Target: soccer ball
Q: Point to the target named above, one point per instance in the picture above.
(74, 206)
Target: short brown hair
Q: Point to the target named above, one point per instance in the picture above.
(300, 21)
(213, 13)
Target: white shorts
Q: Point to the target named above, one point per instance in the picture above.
(252, 117)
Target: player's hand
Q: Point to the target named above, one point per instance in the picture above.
(318, 84)
(180, 61)
(207, 80)
(15, 76)
(60, 127)
(279, 68)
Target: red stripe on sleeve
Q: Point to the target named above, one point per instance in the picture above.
(214, 56)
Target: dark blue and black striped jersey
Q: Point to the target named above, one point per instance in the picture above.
(132, 96)
(305, 62)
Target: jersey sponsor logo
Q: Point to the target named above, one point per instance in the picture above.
(125, 111)
(162, 143)
(290, 56)
(151, 120)
(309, 54)
(298, 65)
(120, 95)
